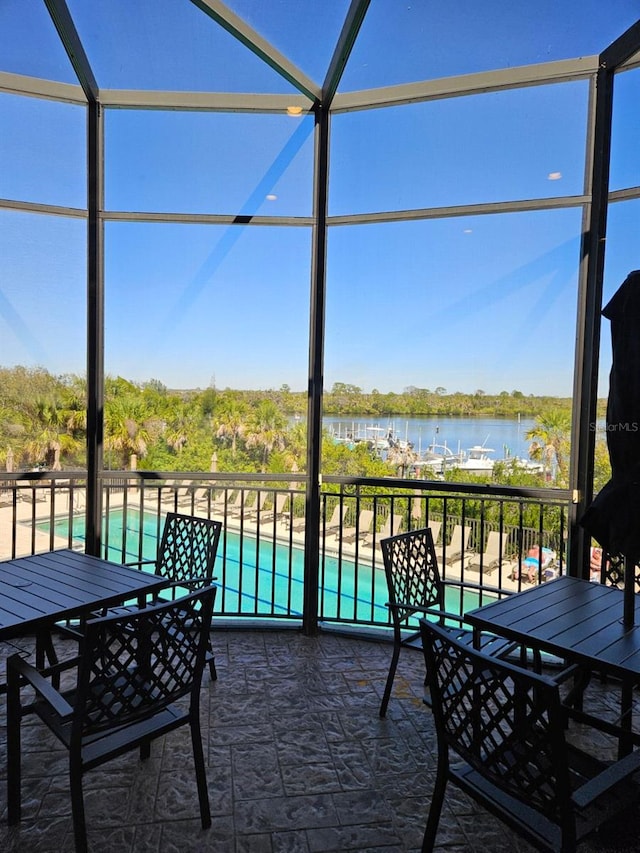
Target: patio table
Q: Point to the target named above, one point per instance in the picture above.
(579, 621)
(40, 590)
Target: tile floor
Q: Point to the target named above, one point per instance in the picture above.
(298, 761)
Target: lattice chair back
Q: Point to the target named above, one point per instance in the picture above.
(188, 548)
(506, 723)
(135, 664)
(412, 573)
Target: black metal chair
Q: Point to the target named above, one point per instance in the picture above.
(186, 556)
(505, 728)
(415, 586)
(131, 670)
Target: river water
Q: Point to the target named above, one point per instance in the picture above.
(506, 437)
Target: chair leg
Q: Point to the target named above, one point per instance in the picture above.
(77, 804)
(392, 673)
(201, 778)
(14, 773)
(435, 809)
(212, 662)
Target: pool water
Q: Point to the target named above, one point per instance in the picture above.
(257, 576)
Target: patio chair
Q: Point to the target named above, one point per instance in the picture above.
(131, 672)
(186, 556)
(505, 729)
(414, 586)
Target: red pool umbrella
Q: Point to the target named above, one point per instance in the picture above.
(613, 518)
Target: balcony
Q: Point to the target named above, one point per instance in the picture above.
(297, 759)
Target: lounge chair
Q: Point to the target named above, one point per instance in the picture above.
(458, 547)
(391, 527)
(256, 509)
(278, 511)
(492, 555)
(236, 506)
(362, 528)
(336, 522)
(434, 527)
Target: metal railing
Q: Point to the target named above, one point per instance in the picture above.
(260, 567)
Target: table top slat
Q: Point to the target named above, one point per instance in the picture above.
(46, 588)
(569, 617)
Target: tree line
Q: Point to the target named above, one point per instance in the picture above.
(43, 424)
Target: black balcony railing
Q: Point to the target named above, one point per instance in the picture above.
(485, 536)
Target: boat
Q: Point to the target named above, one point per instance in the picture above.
(437, 459)
(477, 460)
(377, 438)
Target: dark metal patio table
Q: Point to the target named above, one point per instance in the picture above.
(38, 591)
(579, 621)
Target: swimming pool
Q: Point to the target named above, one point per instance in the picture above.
(259, 577)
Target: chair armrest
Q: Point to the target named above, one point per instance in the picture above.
(610, 776)
(18, 667)
(140, 563)
(188, 583)
(428, 611)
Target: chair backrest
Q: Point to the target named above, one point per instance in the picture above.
(188, 548)
(365, 521)
(391, 526)
(496, 543)
(136, 663)
(434, 527)
(412, 573)
(459, 538)
(280, 502)
(338, 515)
(505, 722)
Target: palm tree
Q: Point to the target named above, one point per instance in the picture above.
(183, 422)
(266, 430)
(551, 441)
(230, 421)
(52, 433)
(124, 429)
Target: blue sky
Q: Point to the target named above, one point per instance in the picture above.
(463, 302)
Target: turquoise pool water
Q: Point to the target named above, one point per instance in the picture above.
(260, 577)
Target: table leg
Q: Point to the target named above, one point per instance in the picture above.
(44, 646)
(625, 742)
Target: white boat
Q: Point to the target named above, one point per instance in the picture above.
(477, 460)
(378, 438)
(437, 459)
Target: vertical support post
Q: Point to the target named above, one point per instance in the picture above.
(95, 329)
(316, 375)
(629, 591)
(585, 394)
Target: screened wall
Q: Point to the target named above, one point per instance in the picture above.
(291, 195)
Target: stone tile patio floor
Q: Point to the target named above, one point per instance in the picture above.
(298, 761)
